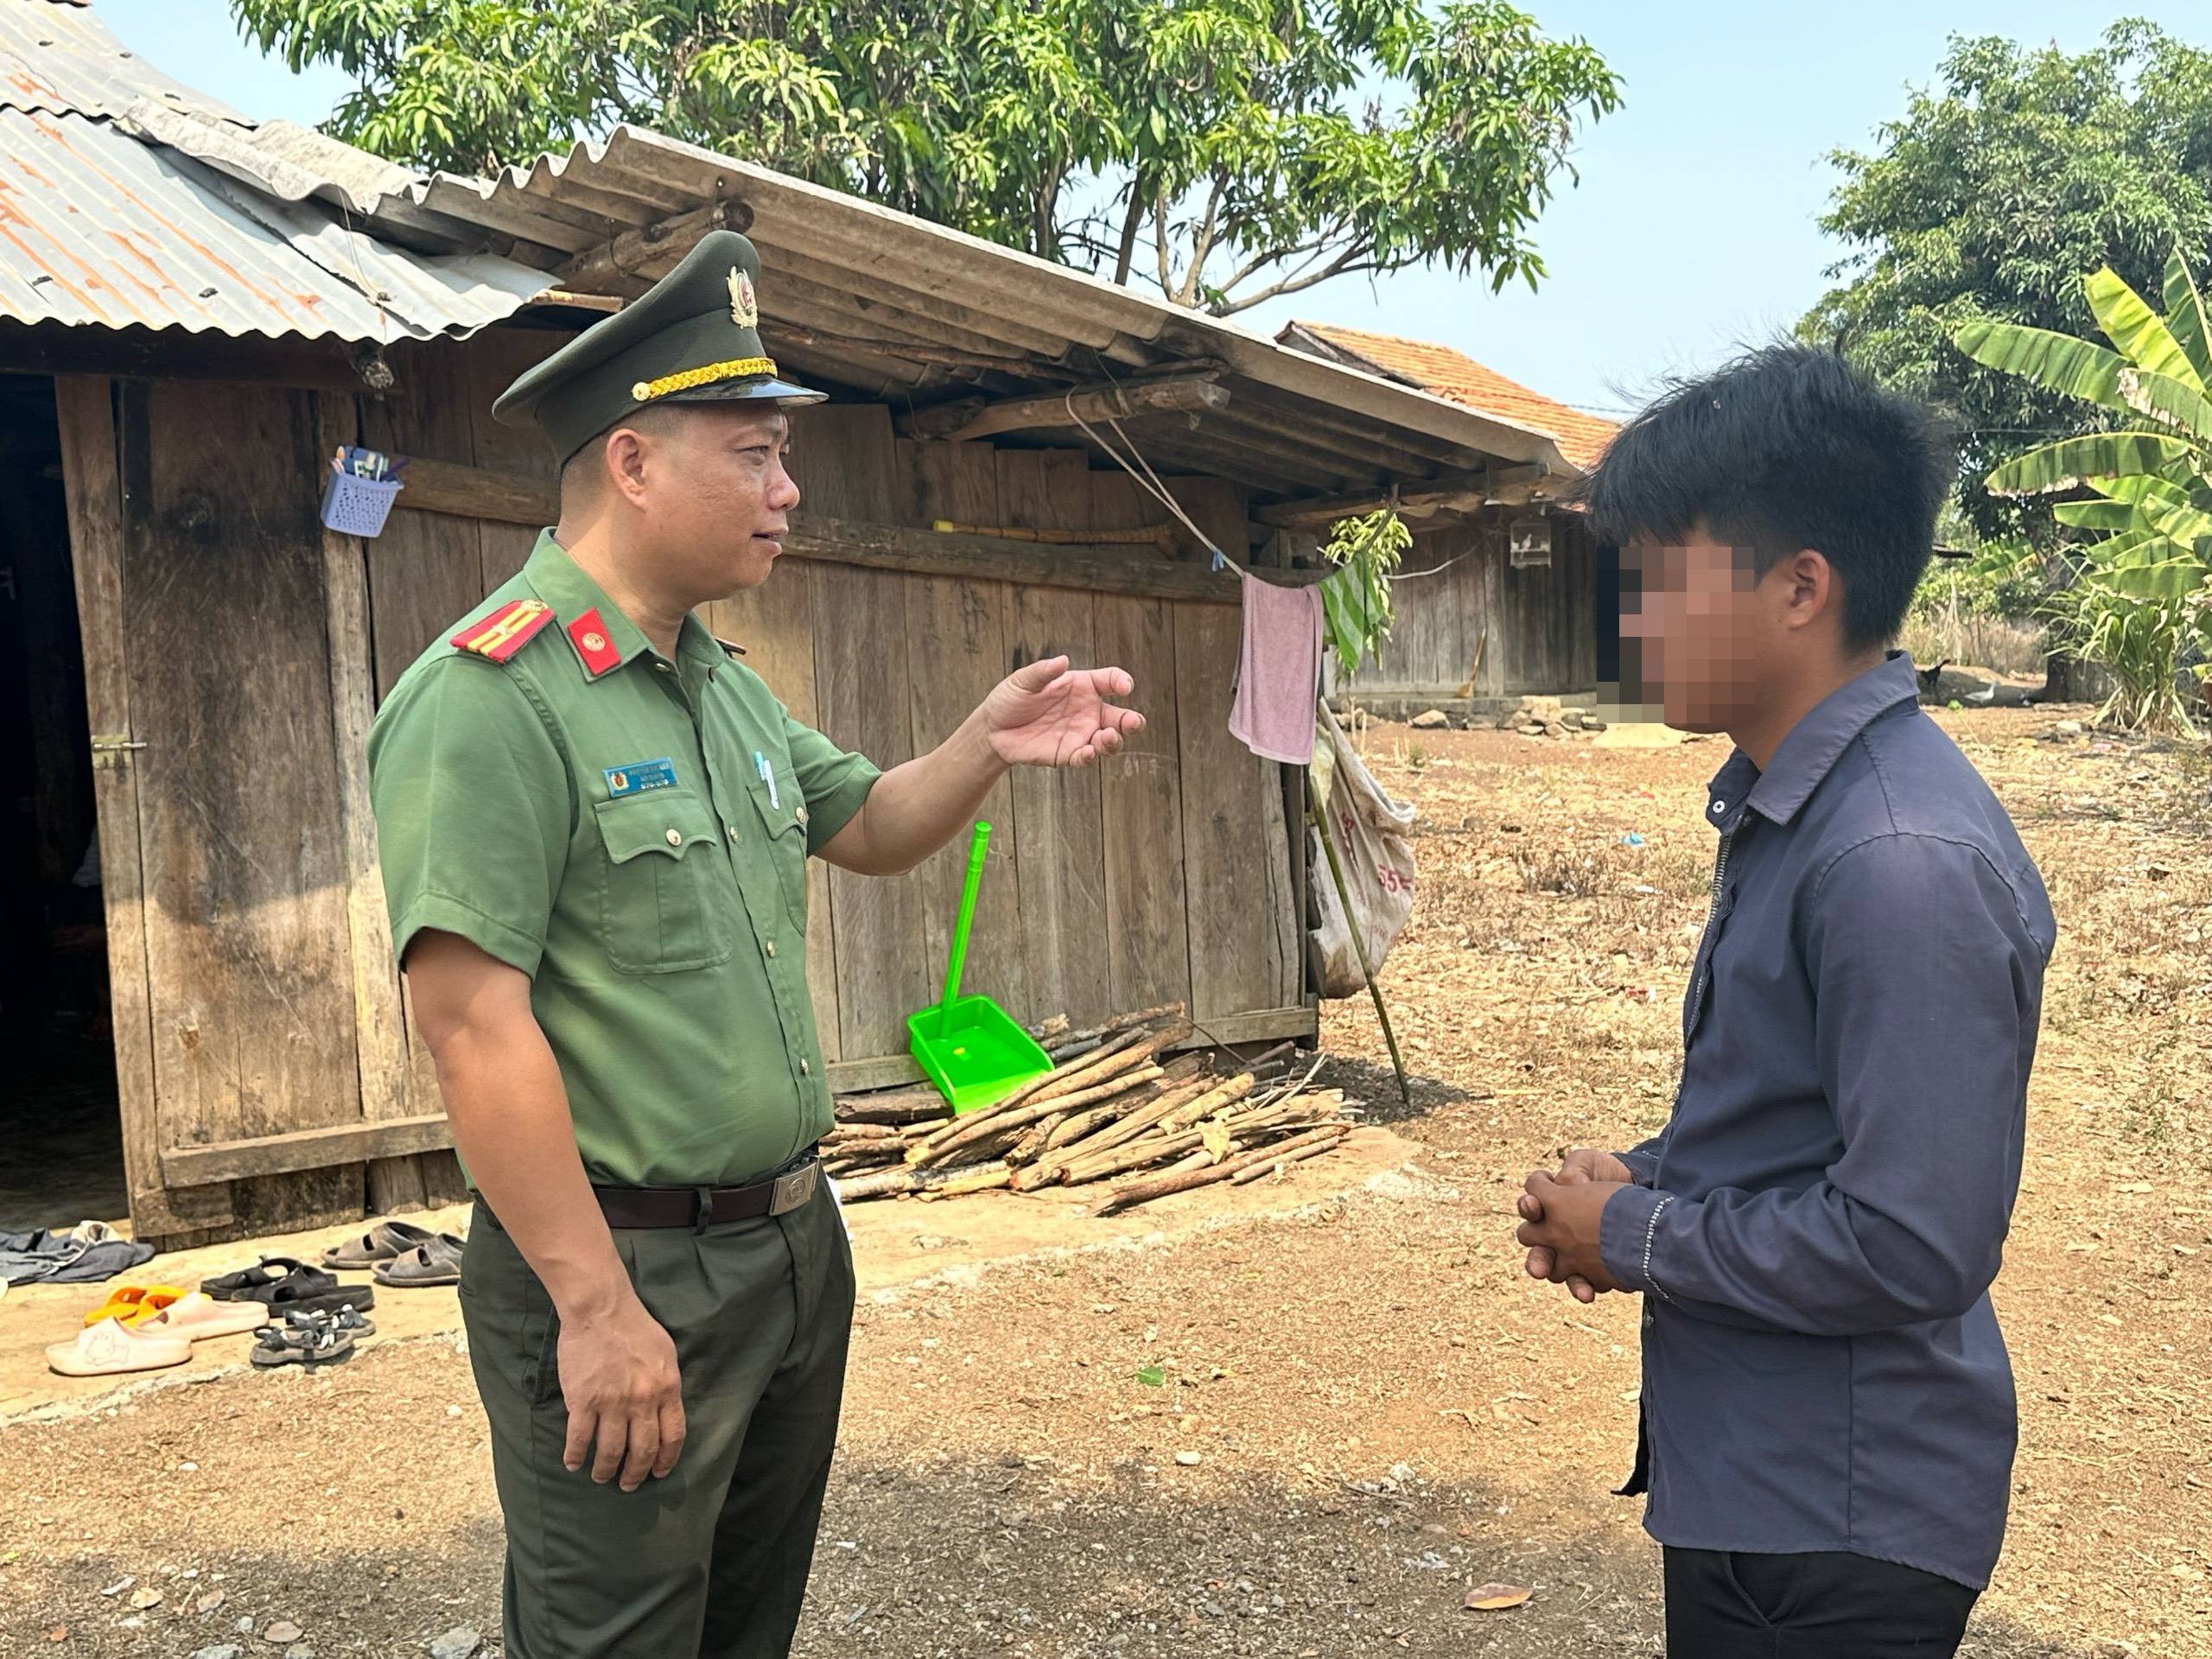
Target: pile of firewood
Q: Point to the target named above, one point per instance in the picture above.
(1121, 1108)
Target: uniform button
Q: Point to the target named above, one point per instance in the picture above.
(733, 830)
(769, 947)
(798, 815)
(663, 668)
(675, 839)
(806, 1067)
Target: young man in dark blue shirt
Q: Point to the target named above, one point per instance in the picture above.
(1827, 1422)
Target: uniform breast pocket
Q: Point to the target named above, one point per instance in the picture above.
(657, 910)
(783, 821)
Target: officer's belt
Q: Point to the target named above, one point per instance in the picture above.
(700, 1207)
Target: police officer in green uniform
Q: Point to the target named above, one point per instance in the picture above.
(593, 824)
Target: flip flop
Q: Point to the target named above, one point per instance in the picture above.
(113, 1348)
(344, 1319)
(316, 1341)
(437, 1262)
(380, 1243)
(199, 1316)
(131, 1303)
(298, 1286)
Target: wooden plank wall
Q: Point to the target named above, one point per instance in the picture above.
(245, 880)
(1479, 628)
(1165, 877)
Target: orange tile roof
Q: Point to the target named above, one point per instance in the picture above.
(1582, 438)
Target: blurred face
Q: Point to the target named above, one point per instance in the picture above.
(1704, 638)
(711, 486)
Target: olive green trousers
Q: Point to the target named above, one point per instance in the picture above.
(711, 1561)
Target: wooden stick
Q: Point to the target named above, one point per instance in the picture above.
(1226, 1094)
(890, 1183)
(1037, 1137)
(1130, 1125)
(1160, 1186)
(1122, 1022)
(1031, 1090)
(892, 1106)
(1282, 1157)
(977, 1178)
(936, 1150)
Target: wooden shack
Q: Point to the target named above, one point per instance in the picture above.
(178, 375)
(1497, 599)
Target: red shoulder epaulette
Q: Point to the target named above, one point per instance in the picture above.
(506, 630)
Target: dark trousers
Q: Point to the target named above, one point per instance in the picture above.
(1724, 1604)
(711, 1562)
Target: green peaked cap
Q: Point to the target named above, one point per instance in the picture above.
(692, 338)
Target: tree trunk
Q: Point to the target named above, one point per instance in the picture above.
(2069, 679)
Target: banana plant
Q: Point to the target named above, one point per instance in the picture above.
(2146, 586)
(2152, 476)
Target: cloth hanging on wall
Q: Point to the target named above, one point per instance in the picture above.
(1278, 672)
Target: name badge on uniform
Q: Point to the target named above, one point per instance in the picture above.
(638, 777)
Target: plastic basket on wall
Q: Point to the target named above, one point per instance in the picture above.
(359, 506)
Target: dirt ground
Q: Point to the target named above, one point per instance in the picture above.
(1383, 1411)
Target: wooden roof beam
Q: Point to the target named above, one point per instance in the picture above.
(1449, 494)
(970, 418)
(642, 255)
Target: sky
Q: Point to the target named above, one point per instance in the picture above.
(1692, 227)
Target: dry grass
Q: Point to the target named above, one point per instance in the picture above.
(1996, 643)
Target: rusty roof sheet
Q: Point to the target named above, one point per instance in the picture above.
(60, 57)
(98, 229)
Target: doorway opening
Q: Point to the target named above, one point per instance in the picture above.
(61, 1129)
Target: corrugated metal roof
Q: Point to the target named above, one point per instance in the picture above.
(97, 228)
(62, 59)
(127, 197)
(887, 303)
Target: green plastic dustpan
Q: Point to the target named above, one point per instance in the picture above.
(968, 1046)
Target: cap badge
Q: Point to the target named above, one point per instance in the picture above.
(744, 307)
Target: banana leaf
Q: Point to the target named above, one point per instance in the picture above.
(2143, 487)
(2064, 465)
(2166, 580)
(2183, 524)
(2074, 368)
(2099, 515)
(2144, 565)
(2163, 398)
(2140, 333)
(2185, 315)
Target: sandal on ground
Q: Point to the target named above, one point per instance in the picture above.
(343, 1318)
(199, 1316)
(315, 1341)
(437, 1262)
(131, 1304)
(380, 1243)
(298, 1284)
(114, 1349)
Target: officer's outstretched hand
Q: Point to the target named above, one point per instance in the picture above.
(625, 1399)
(1049, 715)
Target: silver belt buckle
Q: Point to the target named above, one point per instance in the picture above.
(794, 1189)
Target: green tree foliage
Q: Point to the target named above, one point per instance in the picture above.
(1227, 150)
(2016, 172)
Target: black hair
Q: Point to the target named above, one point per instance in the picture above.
(1787, 448)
